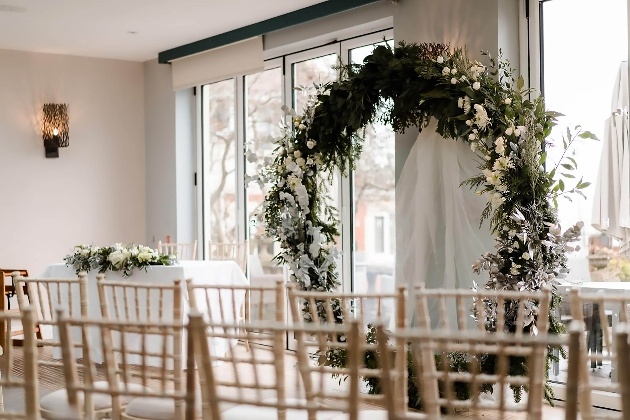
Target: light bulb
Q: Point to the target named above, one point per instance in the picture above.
(55, 132)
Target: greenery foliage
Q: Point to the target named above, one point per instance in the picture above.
(506, 126)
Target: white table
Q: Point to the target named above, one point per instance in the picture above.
(201, 272)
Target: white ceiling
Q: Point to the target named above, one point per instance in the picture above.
(101, 28)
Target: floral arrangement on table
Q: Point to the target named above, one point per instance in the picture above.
(118, 257)
(481, 105)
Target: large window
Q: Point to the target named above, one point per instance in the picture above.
(579, 81)
(244, 113)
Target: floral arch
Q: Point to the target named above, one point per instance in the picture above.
(480, 105)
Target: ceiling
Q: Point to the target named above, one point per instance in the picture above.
(134, 30)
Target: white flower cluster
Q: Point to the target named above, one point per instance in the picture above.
(118, 257)
(295, 167)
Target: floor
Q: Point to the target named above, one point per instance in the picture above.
(51, 379)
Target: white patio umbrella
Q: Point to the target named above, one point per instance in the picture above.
(611, 205)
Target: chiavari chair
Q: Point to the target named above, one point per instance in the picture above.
(182, 251)
(258, 383)
(154, 306)
(10, 365)
(244, 304)
(135, 371)
(45, 295)
(236, 252)
(487, 358)
(329, 309)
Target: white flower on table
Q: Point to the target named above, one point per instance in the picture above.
(446, 71)
(476, 86)
(440, 59)
(118, 257)
(311, 143)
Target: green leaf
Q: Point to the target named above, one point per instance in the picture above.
(520, 83)
(543, 158)
(572, 161)
(588, 135)
(582, 185)
(568, 175)
(561, 185)
(567, 166)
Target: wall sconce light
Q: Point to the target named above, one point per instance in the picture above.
(55, 128)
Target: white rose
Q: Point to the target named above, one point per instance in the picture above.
(517, 132)
(311, 143)
(460, 103)
(454, 71)
(145, 256)
(469, 123)
(302, 127)
(85, 252)
(509, 131)
(297, 154)
(116, 258)
(454, 81)
(473, 146)
(446, 71)
(440, 59)
(476, 86)
(472, 136)
(507, 101)
(300, 162)
(526, 256)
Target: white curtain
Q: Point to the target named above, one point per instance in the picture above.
(437, 221)
(611, 206)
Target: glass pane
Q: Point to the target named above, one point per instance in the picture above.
(314, 71)
(374, 220)
(599, 35)
(219, 162)
(263, 100)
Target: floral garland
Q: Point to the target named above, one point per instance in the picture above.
(119, 257)
(481, 105)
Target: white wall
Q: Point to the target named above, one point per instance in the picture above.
(94, 192)
(159, 103)
(170, 157)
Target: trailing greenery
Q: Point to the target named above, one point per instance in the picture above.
(484, 106)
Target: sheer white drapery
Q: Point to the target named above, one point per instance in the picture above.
(438, 237)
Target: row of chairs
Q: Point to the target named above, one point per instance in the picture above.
(126, 392)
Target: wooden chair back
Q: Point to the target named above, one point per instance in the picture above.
(183, 251)
(46, 295)
(491, 310)
(10, 364)
(132, 368)
(368, 309)
(243, 304)
(258, 383)
(486, 359)
(236, 252)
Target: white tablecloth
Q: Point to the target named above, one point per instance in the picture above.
(202, 272)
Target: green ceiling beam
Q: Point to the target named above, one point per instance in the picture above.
(307, 14)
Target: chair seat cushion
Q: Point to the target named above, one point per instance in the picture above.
(54, 406)
(156, 408)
